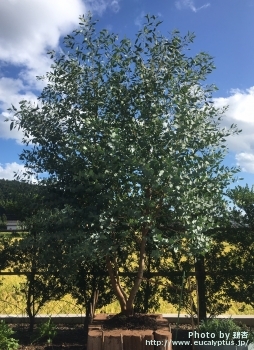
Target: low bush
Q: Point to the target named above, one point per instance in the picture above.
(6, 341)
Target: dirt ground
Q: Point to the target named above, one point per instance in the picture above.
(137, 321)
(72, 337)
(69, 337)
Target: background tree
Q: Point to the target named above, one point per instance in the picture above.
(46, 277)
(217, 300)
(50, 273)
(16, 199)
(43, 259)
(90, 279)
(3, 220)
(239, 235)
(128, 131)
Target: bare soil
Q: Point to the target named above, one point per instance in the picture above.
(73, 337)
(137, 321)
(69, 337)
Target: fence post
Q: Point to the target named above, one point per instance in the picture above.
(201, 287)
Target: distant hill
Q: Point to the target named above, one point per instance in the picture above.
(14, 198)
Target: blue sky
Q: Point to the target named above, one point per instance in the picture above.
(223, 28)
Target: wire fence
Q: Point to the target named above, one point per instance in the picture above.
(13, 300)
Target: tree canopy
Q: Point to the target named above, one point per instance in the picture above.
(129, 133)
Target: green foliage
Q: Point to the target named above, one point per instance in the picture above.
(18, 199)
(3, 221)
(46, 330)
(91, 276)
(147, 299)
(217, 279)
(45, 279)
(118, 137)
(240, 235)
(6, 342)
(226, 263)
(217, 325)
(131, 140)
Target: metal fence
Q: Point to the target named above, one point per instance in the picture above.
(13, 302)
(13, 299)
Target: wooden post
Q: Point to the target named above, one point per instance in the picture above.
(94, 341)
(163, 339)
(112, 340)
(201, 288)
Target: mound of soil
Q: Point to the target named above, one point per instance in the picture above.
(136, 321)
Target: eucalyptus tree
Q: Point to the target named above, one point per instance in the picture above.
(129, 132)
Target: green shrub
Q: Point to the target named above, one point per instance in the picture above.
(6, 342)
(227, 325)
(47, 330)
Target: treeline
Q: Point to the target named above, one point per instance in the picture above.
(15, 199)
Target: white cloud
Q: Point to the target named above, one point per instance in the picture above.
(100, 6)
(140, 19)
(115, 5)
(241, 104)
(7, 172)
(28, 29)
(185, 4)
(11, 92)
(241, 113)
(246, 161)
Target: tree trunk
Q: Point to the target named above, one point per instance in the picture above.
(147, 288)
(126, 303)
(121, 296)
(200, 278)
(141, 267)
(30, 301)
